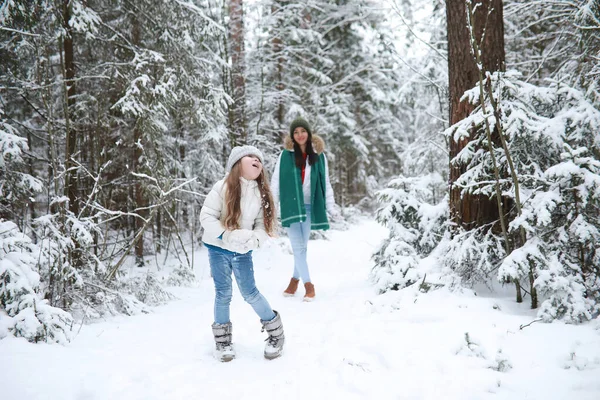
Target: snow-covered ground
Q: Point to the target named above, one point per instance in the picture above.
(349, 343)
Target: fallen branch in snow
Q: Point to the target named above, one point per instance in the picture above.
(423, 282)
(525, 326)
(361, 365)
(425, 287)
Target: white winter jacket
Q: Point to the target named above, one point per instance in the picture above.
(213, 211)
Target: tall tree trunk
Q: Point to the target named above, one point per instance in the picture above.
(237, 111)
(71, 185)
(71, 142)
(159, 228)
(141, 201)
(471, 211)
(277, 43)
(31, 171)
(184, 204)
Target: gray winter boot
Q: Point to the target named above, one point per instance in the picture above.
(224, 348)
(274, 345)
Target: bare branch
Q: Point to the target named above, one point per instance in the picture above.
(521, 327)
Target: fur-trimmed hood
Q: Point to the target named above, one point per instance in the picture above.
(317, 142)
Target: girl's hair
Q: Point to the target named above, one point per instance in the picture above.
(313, 157)
(233, 195)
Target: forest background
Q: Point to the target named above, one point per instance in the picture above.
(471, 128)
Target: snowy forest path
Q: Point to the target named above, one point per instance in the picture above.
(349, 343)
(167, 354)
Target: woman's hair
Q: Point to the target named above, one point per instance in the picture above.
(313, 157)
(233, 195)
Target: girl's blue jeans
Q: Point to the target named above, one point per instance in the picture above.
(299, 233)
(222, 264)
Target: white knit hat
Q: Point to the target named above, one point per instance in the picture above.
(239, 152)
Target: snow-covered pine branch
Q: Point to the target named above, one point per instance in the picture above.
(552, 134)
(417, 224)
(24, 311)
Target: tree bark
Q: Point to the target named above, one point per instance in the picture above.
(141, 201)
(184, 203)
(470, 211)
(277, 43)
(71, 142)
(237, 111)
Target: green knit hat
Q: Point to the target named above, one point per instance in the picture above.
(299, 122)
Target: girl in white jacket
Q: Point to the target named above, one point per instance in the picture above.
(238, 216)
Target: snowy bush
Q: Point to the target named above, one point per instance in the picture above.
(552, 136)
(580, 361)
(414, 205)
(16, 186)
(181, 276)
(27, 315)
(126, 295)
(471, 347)
(562, 217)
(473, 255)
(501, 362)
(148, 290)
(73, 278)
(66, 260)
(416, 227)
(98, 301)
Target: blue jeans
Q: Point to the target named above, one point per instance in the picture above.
(299, 233)
(222, 263)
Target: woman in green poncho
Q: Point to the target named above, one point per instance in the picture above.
(300, 185)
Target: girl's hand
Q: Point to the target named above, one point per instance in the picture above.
(238, 237)
(241, 240)
(253, 242)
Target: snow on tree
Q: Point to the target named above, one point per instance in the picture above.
(540, 159)
(329, 62)
(285, 74)
(551, 134)
(16, 186)
(25, 313)
(143, 111)
(416, 224)
(414, 205)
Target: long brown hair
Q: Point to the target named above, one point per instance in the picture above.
(233, 195)
(313, 157)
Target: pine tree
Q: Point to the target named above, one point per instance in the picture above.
(468, 209)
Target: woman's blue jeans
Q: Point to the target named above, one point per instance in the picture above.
(299, 233)
(222, 263)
